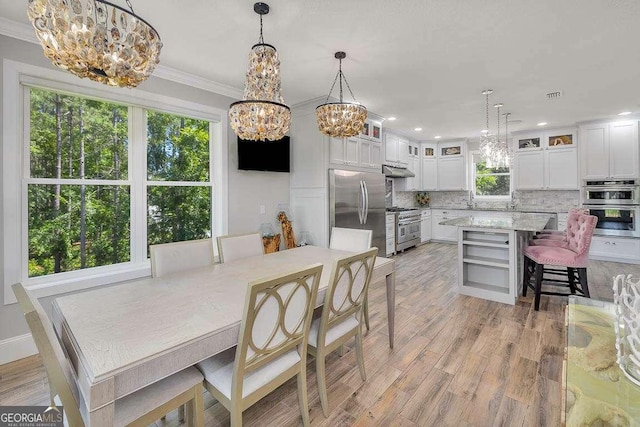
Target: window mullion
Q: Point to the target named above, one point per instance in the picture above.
(138, 174)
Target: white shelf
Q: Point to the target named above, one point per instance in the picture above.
(491, 262)
(486, 243)
(486, 287)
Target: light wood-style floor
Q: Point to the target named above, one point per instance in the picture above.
(457, 361)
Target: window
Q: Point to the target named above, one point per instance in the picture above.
(101, 175)
(489, 183)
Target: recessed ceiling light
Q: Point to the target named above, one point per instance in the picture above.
(542, 124)
(437, 137)
(624, 113)
(391, 118)
(418, 129)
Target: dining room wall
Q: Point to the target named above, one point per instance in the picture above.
(247, 191)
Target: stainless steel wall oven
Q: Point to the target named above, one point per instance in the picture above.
(616, 220)
(612, 192)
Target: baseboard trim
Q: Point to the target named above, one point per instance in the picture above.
(16, 348)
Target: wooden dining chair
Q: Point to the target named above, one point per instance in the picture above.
(173, 257)
(341, 317)
(272, 347)
(140, 408)
(234, 247)
(353, 240)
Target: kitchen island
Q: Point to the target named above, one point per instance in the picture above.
(490, 253)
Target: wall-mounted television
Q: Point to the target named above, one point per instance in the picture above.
(271, 156)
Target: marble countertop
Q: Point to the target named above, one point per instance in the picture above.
(523, 210)
(517, 221)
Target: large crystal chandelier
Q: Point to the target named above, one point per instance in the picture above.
(341, 119)
(97, 40)
(495, 151)
(262, 114)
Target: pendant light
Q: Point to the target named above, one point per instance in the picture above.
(262, 114)
(341, 119)
(96, 39)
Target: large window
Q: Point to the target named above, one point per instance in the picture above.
(489, 182)
(93, 175)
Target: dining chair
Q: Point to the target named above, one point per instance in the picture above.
(354, 240)
(140, 408)
(341, 317)
(173, 257)
(272, 346)
(234, 247)
(573, 257)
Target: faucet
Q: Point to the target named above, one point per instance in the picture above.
(512, 203)
(470, 202)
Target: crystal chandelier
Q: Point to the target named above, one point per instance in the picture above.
(97, 40)
(341, 119)
(495, 151)
(262, 114)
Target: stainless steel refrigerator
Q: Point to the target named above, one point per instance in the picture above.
(356, 200)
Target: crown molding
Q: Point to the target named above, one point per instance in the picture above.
(25, 32)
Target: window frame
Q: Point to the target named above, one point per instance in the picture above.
(473, 176)
(17, 78)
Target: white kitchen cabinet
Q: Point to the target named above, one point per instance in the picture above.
(413, 164)
(403, 151)
(429, 169)
(355, 151)
(446, 233)
(391, 148)
(390, 233)
(619, 249)
(351, 150)
(610, 150)
(425, 225)
(546, 161)
(452, 168)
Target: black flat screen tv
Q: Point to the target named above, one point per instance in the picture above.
(270, 156)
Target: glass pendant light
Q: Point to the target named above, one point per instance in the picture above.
(341, 119)
(96, 39)
(262, 114)
(488, 141)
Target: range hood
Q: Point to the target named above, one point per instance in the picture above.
(396, 172)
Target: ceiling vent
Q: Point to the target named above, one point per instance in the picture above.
(554, 95)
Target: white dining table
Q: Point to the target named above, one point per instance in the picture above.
(122, 338)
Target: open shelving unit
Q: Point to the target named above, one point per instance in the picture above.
(487, 260)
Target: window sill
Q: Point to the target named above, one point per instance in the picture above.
(75, 281)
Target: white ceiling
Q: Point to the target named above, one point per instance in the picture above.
(423, 61)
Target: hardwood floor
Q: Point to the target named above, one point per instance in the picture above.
(457, 361)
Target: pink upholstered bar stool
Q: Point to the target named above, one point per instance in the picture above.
(574, 257)
(559, 234)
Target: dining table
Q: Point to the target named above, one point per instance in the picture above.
(122, 338)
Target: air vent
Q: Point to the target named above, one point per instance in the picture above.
(554, 95)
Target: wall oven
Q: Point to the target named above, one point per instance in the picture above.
(612, 192)
(616, 220)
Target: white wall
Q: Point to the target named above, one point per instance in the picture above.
(247, 190)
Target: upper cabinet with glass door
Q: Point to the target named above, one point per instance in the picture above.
(546, 160)
(372, 129)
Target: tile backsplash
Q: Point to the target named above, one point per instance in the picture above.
(547, 200)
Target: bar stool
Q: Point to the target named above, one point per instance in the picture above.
(572, 255)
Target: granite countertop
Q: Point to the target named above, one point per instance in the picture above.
(517, 221)
(524, 210)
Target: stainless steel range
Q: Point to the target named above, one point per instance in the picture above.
(407, 227)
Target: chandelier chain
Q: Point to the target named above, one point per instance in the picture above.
(332, 86)
(261, 40)
(487, 110)
(498, 107)
(130, 6)
(340, 75)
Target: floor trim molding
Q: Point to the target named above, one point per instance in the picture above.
(16, 348)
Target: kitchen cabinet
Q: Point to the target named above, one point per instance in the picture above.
(429, 168)
(610, 150)
(355, 151)
(396, 150)
(452, 169)
(618, 249)
(446, 233)
(425, 225)
(413, 164)
(312, 155)
(372, 130)
(546, 161)
(390, 233)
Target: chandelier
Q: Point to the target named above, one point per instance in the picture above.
(495, 151)
(262, 114)
(341, 119)
(96, 39)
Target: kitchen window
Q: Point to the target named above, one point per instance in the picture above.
(101, 174)
(489, 183)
